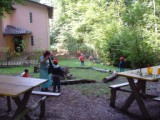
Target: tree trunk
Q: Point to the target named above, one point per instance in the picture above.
(154, 13)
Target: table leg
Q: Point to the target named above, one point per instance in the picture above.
(135, 95)
(131, 98)
(21, 104)
(9, 104)
(143, 90)
(42, 110)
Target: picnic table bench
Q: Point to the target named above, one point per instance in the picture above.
(114, 89)
(42, 94)
(157, 99)
(41, 103)
(13, 87)
(49, 94)
(138, 89)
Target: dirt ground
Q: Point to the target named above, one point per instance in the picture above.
(72, 105)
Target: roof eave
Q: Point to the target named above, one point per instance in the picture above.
(5, 34)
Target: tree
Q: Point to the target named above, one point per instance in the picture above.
(6, 5)
(114, 28)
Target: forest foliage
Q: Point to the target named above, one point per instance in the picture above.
(112, 28)
(6, 5)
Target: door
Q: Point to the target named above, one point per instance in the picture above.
(18, 43)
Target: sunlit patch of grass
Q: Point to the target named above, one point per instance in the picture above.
(17, 70)
(12, 70)
(88, 74)
(92, 89)
(76, 63)
(78, 73)
(73, 63)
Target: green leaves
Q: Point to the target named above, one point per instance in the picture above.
(6, 5)
(112, 28)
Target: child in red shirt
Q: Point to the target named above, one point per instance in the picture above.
(91, 60)
(26, 74)
(81, 58)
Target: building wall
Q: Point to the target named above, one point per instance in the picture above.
(2, 44)
(6, 20)
(27, 38)
(39, 26)
(9, 43)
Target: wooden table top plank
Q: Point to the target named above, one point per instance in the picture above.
(14, 86)
(7, 89)
(22, 80)
(145, 76)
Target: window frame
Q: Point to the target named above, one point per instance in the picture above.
(30, 17)
(32, 41)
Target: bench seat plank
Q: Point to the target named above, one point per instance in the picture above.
(45, 93)
(114, 89)
(157, 99)
(119, 85)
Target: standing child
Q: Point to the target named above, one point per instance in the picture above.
(57, 72)
(91, 60)
(81, 58)
(121, 64)
(26, 74)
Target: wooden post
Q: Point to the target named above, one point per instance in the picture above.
(42, 110)
(113, 97)
(9, 104)
(21, 104)
(136, 96)
(30, 108)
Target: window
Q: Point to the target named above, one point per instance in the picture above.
(30, 17)
(32, 41)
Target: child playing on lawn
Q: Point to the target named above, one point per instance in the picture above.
(26, 73)
(81, 58)
(57, 72)
(91, 60)
(121, 64)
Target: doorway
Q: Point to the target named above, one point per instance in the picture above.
(18, 43)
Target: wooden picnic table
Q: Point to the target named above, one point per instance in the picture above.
(138, 89)
(13, 87)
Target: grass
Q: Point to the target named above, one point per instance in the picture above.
(73, 63)
(88, 74)
(76, 63)
(92, 89)
(96, 89)
(78, 73)
(17, 70)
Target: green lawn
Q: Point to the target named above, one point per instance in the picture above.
(78, 73)
(76, 63)
(88, 74)
(97, 89)
(13, 70)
